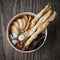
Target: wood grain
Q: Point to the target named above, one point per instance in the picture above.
(50, 50)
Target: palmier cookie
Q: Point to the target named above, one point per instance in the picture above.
(20, 22)
(28, 23)
(26, 19)
(29, 18)
(14, 30)
(24, 23)
(16, 24)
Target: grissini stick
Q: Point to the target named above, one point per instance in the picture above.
(39, 15)
(53, 16)
(33, 36)
(41, 20)
(29, 18)
(26, 33)
(40, 29)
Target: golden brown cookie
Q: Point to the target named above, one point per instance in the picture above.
(14, 30)
(24, 23)
(27, 26)
(20, 22)
(29, 18)
(16, 24)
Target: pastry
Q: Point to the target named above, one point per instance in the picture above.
(27, 26)
(16, 24)
(33, 36)
(20, 22)
(14, 30)
(29, 18)
(24, 23)
(40, 14)
(27, 21)
(40, 29)
(41, 20)
(25, 17)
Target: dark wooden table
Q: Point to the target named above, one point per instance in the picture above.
(50, 50)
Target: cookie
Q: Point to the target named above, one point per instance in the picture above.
(20, 22)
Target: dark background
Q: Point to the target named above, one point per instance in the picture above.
(50, 50)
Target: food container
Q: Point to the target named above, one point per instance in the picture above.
(18, 15)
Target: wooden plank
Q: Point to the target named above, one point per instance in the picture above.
(6, 46)
(1, 42)
(50, 50)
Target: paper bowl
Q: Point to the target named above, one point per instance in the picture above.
(18, 15)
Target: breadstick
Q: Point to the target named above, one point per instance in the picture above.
(41, 20)
(53, 16)
(40, 29)
(33, 36)
(28, 23)
(39, 15)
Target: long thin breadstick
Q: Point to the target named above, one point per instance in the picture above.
(47, 8)
(40, 29)
(53, 16)
(41, 20)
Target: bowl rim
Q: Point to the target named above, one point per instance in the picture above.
(14, 17)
